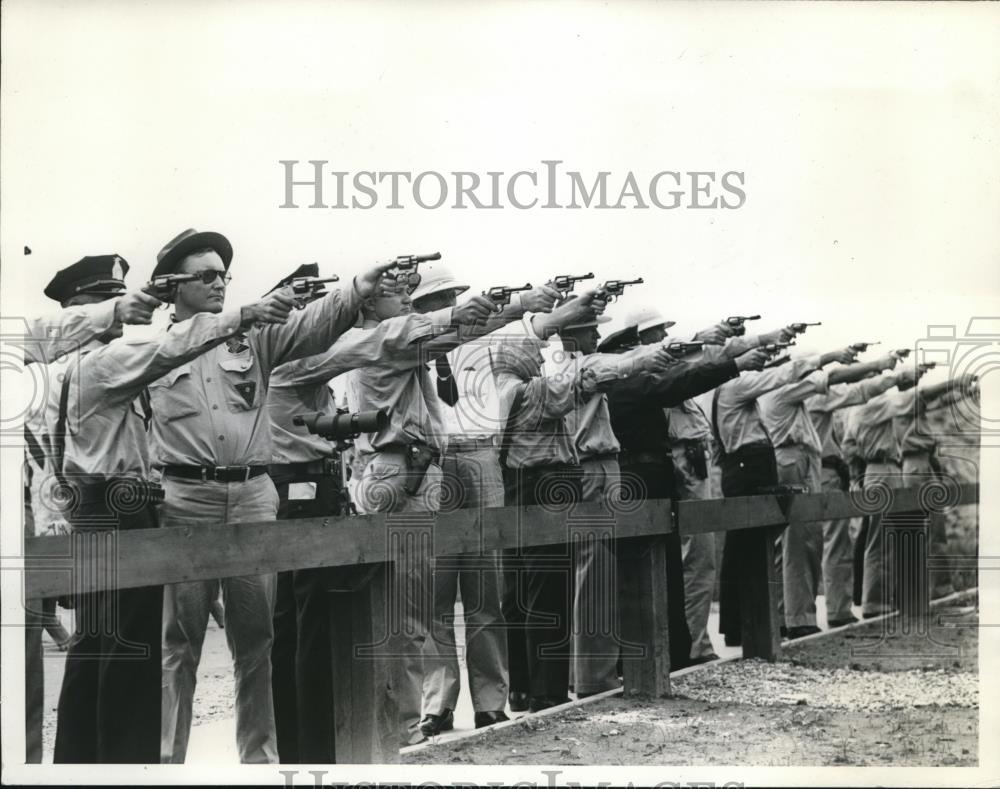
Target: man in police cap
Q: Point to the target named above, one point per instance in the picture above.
(213, 443)
(470, 411)
(94, 305)
(109, 707)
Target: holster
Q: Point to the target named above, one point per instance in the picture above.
(418, 459)
(694, 451)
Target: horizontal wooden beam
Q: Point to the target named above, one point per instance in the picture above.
(171, 555)
(158, 556)
(747, 512)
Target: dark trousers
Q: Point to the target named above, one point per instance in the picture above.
(109, 705)
(538, 588)
(744, 473)
(658, 482)
(301, 662)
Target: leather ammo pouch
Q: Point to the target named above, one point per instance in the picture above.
(418, 459)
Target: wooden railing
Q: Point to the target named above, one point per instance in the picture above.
(365, 718)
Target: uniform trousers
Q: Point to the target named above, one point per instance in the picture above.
(744, 472)
(801, 543)
(596, 645)
(698, 554)
(382, 489)
(918, 470)
(471, 480)
(838, 556)
(537, 587)
(249, 603)
(657, 479)
(301, 661)
(878, 582)
(109, 704)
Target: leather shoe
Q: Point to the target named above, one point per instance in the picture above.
(518, 701)
(432, 725)
(489, 718)
(801, 631)
(539, 703)
(842, 622)
(697, 661)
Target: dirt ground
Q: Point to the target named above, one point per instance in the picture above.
(872, 696)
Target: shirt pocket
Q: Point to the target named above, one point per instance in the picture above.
(172, 396)
(241, 382)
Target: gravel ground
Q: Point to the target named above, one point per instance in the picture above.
(874, 695)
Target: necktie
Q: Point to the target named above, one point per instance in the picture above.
(446, 387)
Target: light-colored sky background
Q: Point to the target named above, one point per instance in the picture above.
(869, 145)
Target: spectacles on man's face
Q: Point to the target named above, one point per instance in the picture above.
(208, 276)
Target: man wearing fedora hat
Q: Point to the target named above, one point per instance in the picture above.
(213, 443)
(109, 707)
(469, 408)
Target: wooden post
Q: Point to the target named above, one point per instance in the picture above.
(642, 573)
(367, 720)
(906, 540)
(761, 632)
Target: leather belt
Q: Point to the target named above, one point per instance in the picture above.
(215, 473)
(601, 456)
(461, 443)
(639, 458)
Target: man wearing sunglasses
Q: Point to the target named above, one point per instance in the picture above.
(213, 443)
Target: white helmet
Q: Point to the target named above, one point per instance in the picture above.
(647, 318)
(434, 279)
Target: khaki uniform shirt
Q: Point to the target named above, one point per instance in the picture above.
(786, 417)
(210, 411)
(737, 411)
(870, 427)
(302, 386)
(105, 432)
(49, 336)
(822, 407)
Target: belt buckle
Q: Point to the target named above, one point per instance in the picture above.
(246, 474)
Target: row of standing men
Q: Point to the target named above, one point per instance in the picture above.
(196, 425)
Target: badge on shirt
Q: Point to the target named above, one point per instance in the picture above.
(247, 391)
(237, 344)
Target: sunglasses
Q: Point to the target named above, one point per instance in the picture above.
(208, 276)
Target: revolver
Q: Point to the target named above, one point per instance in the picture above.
(614, 288)
(307, 288)
(902, 353)
(799, 328)
(861, 347)
(565, 283)
(164, 286)
(500, 294)
(406, 267)
(684, 348)
(776, 347)
(735, 322)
